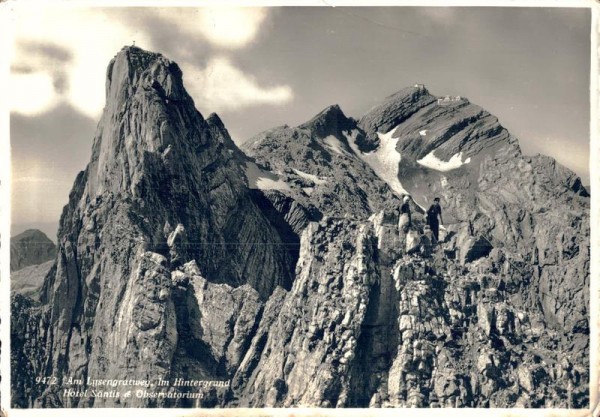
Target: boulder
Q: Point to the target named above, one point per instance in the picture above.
(473, 248)
(413, 242)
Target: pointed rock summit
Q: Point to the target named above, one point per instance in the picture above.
(445, 125)
(162, 189)
(330, 121)
(32, 247)
(394, 110)
(160, 162)
(319, 161)
(147, 110)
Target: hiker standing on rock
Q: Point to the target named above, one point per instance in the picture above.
(432, 218)
(405, 220)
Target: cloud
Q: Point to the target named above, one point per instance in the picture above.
(47, 52)
(74, 71)
(231, 27)
(38, 77)
(222, 86)
(224, 27)
(61, 54)
(32, 93)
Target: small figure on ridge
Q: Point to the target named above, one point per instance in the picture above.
(405, 216)
(432, 218)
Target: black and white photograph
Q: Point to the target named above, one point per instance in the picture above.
(291, 208)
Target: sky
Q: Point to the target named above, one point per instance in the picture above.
(265, 67)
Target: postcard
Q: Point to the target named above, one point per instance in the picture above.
(225, 209)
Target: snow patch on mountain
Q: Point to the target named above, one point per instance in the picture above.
(385, 160)
(311, 177)
(263, 180)
(335, 145)
(433, 162)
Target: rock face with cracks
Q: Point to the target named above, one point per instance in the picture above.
(161, 189)
(174, 263)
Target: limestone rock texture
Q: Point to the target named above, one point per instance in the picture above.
(305, 356)
(393, 111)
(161, 189)
(375, 328)
(316, 158)
(285, 269)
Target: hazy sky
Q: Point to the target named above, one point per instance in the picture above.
(260, 68)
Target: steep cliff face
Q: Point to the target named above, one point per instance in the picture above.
(304, 356)
(161, 189)
(285, 270)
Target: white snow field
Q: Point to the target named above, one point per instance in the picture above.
(384, 160)
(433, 162)
(311, 177)
(263, 180)
(335, 145)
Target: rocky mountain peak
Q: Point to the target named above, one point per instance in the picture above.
(419, 139)
(329, 121)
(214, 120)
(32, 247)
(147, 111)
(30, 235)
(394, 110)
(163, 189)
(134, 68)
(317, 162)
(219, 132)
